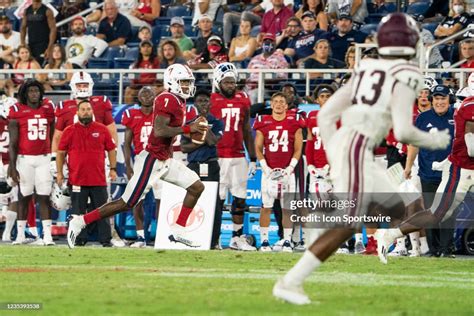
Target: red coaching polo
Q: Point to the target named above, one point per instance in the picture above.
(85, 147)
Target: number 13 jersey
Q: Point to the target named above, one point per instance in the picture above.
(33, 127)
(373, 82)
(232, 112)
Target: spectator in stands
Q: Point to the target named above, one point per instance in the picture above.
(321, 60)
(177, 33)
(303, 45)
(85, 143)
(80, 47)
(438, 7)
(206, 7)
(317, 7)
(427, 39)
(170, 53)
(344, 36)
(200, 44)
(466, 47)
(57, 60)
(24, 61)
(146, 11)
(270, 58)
(67, 9)
(204, 156)
(243, 46)
(214, 54)
(355, 8)
(144, 33)
(292, 30)
(9, 41)
(147, 59)
(322, 93)
(377, 6)
(350, 57)
(115, 28)
(40, 26)
(274, 21)
(457, 19)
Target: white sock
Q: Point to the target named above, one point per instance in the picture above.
(20, 226)
(141, 233)
(47, 228)
(287, 233)
(263, 233)
(358, 237)
(296, 236)
(424, 248)
(33, 231)
(11, 218)
(401, 242)
(302, 269)
(415, 240)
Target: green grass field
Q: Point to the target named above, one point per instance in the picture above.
(97, 281)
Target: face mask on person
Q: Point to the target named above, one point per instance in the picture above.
(458, 9)
(213, 49)
(85, 120)
(267, 48)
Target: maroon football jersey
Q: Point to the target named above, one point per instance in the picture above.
(459, 156)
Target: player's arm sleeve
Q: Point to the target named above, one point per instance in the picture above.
(402, 116)
(332, 110)
(469, 138)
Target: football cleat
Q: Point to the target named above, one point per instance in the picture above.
(117, 243)
(37, 242)
(300, 246)
(343, 251)
(178, 235)
(384, 242)
(19, 241)
(414, 253)
(241, 243)
(139, 243)
(371, 248)
(286, 247)
(291, 294)
(6, 236)
(359, 247)
(76, 225)
(48, 241)
(265, 246)
(399, 251)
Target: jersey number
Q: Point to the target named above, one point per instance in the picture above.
(317, 140)
(144, 134)
(228, 114)
(37, 129)
(4, 142)
(278, 140)
(369, 94)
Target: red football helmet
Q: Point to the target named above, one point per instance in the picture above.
(397, 35)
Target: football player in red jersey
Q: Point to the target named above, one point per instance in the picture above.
(278, 145)
(457, 180)
(233, 108)
(31, 127)
(155, 161)
(139, 124)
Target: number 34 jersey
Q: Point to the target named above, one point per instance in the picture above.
(33, 127)
(373, 82)
(279, 138)
(232, 112)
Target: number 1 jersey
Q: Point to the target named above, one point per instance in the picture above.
(232, 112)
(33, 127)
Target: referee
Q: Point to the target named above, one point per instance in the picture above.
(203, 158)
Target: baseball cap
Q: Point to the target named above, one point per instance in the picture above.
(146, 42)
(308, 14)
(214, 38)
(177, 20)
(269, 36)
(205, 17)
(345, 16)
(441, 90)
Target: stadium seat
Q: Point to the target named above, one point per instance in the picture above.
(190, 30)
(178, 11)
(123, 63)
(368, 28)
(255, 31)
(107, 59)
(217, 29)
(219, 19)
(417, 8)
(163, 21)
(131, 53)
(157, 33)
(430, 27)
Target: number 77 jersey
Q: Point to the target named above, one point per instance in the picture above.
(232, 112)
(33, 127)
(372, 91)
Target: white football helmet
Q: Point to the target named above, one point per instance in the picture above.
(173, 76)
(60, 198)
(81, 77)
(5, 104)
(278, 183)
(430, 82)
(222, 71)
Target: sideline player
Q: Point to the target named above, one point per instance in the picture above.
(155, 161)
(278, 145)
(380, 94)
(31, 126)
(139, 124)
(233, 108)
(457, 180)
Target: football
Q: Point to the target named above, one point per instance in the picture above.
(197, 137)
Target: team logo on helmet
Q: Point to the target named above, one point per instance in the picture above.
(173, 80)
(222, 71)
